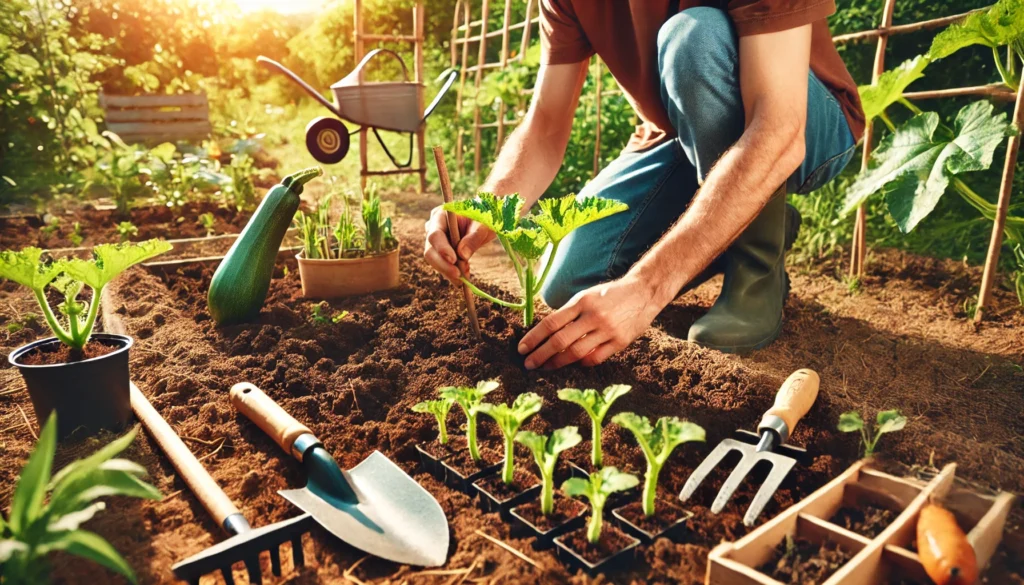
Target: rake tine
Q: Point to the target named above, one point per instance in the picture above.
(252, 565)
(702, 471)
(297, 557)
(229, 579)
(735, 479)
(780, 469)
(275, 560)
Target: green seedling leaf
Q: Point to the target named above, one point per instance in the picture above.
(850, 422)
(889, 88)
(110, 260)
(887, 421)
(559, 216)
(890, 421)
(657, 442)
(528, 242)
(92, 546)
(469, 398)
(546, 450)
(31, 489)
(1000, 25)
(596, 406)
(500, 214)
(596, 489)
(439, 408)
(913, 167)
(509, 419)
(28, 269)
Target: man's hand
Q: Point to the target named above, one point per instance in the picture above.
(593, 325)
(438, 250)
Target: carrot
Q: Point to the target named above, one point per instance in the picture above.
(945, 553)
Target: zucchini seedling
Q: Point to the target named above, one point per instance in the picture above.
(525, 239)
(509, 419)
(887, 421)
(546, 449)
(469, 399)
(596, 406)
(439, 408)
(597, 488)
(657, 442)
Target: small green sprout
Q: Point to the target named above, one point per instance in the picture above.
(76, 236)
(126, 230)
(319, 315)
(509, 419)
(439, 408)
(469, 398)
(887, 421)
(597, 488)
(657, 443)
(596, 405)
(207, 221)
(546, 450)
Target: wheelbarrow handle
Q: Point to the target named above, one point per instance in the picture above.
(452, 75)
(792, 401)
(298, 80)
(268, 416)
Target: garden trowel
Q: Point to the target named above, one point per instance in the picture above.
(793, 400)
(375, 506)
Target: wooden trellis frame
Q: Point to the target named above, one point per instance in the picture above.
(416, 40)
(994, 91)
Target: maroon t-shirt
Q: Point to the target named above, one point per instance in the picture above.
(624, 34)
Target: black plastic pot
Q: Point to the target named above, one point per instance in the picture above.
(655, 528)
(502, 503)
(431, 462)
(543, 536)
(88, 396)
(616, 561)
(459, 480)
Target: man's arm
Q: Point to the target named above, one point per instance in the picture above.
(606, 318)
(527, 163)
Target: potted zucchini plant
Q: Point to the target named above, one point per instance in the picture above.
(657, 442)
(347, 257)
(79, 374)
(463, 468)
(596, 405)
(501, 492)
(432, 454)
(552, 514)
(598, 548)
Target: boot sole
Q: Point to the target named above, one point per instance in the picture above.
(745, 349)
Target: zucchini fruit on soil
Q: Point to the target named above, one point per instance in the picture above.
(945, 552)
(242, 279)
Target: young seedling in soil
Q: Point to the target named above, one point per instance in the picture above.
(439, 408)
(546, 450)
(469, 399)
(657, 443)
(525, 239)
(34, 529)
(887, 421)
(509, 419)
(596, 489)
(30, 268)
(596, 406)
(319, 315)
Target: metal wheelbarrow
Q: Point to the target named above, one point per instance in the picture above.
(370, 104)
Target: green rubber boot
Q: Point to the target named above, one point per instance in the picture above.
(748, 312)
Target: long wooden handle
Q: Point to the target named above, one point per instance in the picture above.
(210, 495)
(268, 415)
(795, 398)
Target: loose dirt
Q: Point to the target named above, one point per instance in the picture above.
(612, 540)
(867, 520)
(62, 354)
(802, 562)
(901, 343)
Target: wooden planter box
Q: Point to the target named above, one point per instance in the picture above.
(342, 277)
(875, 560)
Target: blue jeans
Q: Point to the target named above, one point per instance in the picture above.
(698, 58)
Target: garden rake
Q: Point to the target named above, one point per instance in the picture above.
(246, 543)
(793, 400)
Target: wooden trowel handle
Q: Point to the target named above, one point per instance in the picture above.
(268, 415)
(793, 400)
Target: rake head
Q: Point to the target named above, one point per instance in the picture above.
(246, 547)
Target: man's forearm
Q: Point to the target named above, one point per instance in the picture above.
(527, 162)
(734, 192)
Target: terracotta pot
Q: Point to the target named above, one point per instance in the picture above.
(342, 277)
(90, 395)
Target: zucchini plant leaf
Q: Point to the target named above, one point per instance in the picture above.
(890, 421)
(109, 260)
(437, 408)
(659, 440)
(1000, 25)
(561, 215)
(528, 241)
(510, 418)
(850, 422)
(500, 214)
(600, 485)
(875, 98)
(545, 446)
(28, 269)
(913, 166)
(28, 494)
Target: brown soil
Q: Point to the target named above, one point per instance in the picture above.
(666, 514)
(612, 540)
(62, 354)
(902, 342)
(439, 451)
(563, 510)
(521, 481)
(461, 462)
(806, 563)
(867, 520)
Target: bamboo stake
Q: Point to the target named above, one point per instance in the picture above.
(418, 15)
(504, 62)
(597, 126)
(462, 86)
(527, 26)
(889, 30)
(481, 59)
(1005, 191)
(363, 135)
(995, 91)
(454, 236)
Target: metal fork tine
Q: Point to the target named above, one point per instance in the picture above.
(252, 565)
(735, 479)
(713, 459)
(780, 469)
(275, 560)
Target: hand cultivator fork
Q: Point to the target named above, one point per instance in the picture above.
(793, 400)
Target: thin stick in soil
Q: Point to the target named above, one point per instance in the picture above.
(31, 429)
(509, 548)
(348, 576)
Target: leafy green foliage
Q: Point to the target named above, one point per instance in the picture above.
(319, 314)
(439, 408)
(914, 166)
(546, 449)
(597, 488)
(207, 222)
(875, 98)
(324, 239)
(561, 215)
(596, 406)
(34, 529)
(887, 421)
(376, 226)
(126, 230)
(509, 419)
(657, 442)
(1000, 25)
(469, 399)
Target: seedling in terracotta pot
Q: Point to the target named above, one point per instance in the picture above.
(599, 548)
(98, 372)
(469, 399)
(596, 406)
(515, 486)
(525, 239)
(430, 458)
(887, 421)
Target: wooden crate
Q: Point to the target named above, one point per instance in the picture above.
(152, 119)
(877, 560)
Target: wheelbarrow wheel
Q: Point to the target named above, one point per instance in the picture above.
(327, 140)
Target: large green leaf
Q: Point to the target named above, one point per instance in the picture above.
(31, 488)
(92, 546)
(102, 483)
(875, 98)
(913, 166)
(500, 214)
(1000, 25)
(8, 548)
(27, 269)
(528, 242)
(109, 260)
(850, 422)
(561, 215)
(86, 465)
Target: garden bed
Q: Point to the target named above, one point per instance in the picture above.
(354, 383)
